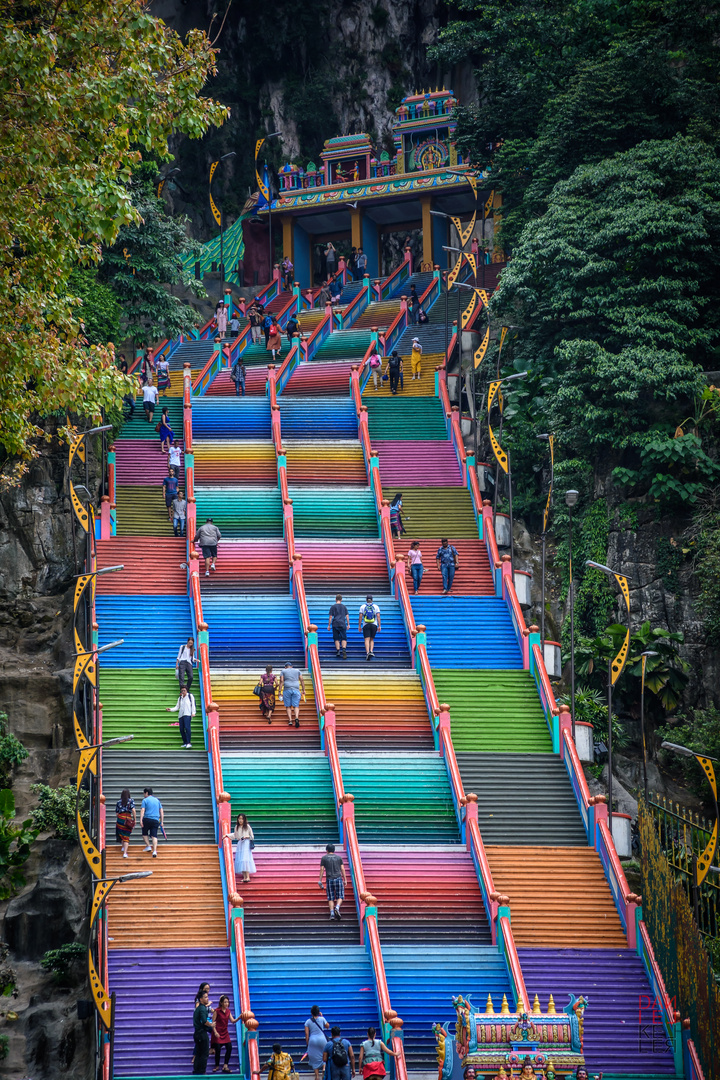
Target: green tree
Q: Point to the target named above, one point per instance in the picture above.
(616, 289)
(146, 257)
(55, 812)
(12, 752)
(84, 89)
(666, 673)
(100, 312)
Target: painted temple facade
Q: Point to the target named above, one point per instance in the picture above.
(355, 192)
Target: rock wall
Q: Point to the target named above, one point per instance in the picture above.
(36, 587)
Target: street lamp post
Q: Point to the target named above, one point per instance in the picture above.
(219, 214)
(702, 864)
(615, 669)
(266, 190)
(546, 517)
(643, 661)
(502, 457)
(571, 498)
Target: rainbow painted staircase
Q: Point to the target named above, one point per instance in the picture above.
(298, 483)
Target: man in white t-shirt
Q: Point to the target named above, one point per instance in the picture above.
(150, 398)
(174, 458)
(369, 625)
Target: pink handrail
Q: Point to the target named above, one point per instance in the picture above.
(405, 601)
(515, 605)
(475, 490)
(398, 270)
(361, 295)
(454, 771)
(216, 764)
(334, 759)
(427, 674)
(226, 844)
(318, 330)
(286, 363)
(672, 1014)
(244, 987)
(355, 387)
(571, 752)
(513, 960)
(393, 326)
(213, 357)
(625, 891)
(384, 997)
(544, 681)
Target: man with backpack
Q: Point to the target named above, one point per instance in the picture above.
(339, 1055)
(253, 314)
(267, 326)
(394, 370)
(291, 328)
(369, 625)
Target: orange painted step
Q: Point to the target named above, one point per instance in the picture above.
(242, 726)
(558, 897)
(149, 567)
(179, 906)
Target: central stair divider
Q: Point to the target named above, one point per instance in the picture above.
(234, 912)
(496, 904)
(344, 802)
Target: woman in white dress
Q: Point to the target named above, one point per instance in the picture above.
(244, 862)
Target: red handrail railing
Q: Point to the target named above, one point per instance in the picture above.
(513, 960)
(318, 330)
(625, 891)
(244, 986)
(384, 997)
(544, 680)
(285, 364)
(571, 752)
(387, 336)
(396, 272)
(213, 357)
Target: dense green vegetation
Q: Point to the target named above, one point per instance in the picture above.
(599, 123)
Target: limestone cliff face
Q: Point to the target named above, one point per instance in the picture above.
(310, 72)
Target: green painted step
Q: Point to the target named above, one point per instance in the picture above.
(288, 798)
(245, 511)
(400, 798)
(134, 702)
(436, 511)
(494, 710)
(406, 418)
(334, 512)
(141, 510)
(138, 427)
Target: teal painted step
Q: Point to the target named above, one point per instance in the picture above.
(400, 798)
(344, 345)
(139, 428)
(288, 798)
(494, 710)
(334, 512)
(406, 418)
(241, 511)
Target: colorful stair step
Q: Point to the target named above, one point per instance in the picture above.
(464, 631)
(231, 418)
(325, 462)
(241, 511)
(405, 418)
(148, 566)
(255, 383)
(138, 461)
(151, 628)
(318, 417)
(400, 798)
(348, 566)
(227, 461)
(181, 781)
(378, 708)
(558, 895)
(141, 511)
(333, 513)
(249, 566)
(472, 578)
(412, 462)
(435, 511)
(320, 380)
(496, 710)
(254, 630)
(141, 428)
(391, 643)
(288, 797)
(134, 703)
(242, 724)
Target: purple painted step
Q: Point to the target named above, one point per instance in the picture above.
(141, 461)
(156, 991)
(417, 464)
(614, 982)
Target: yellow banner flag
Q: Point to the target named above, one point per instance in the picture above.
(454, 273)
(482, 349)
(467, 313)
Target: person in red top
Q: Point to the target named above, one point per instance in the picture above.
(221, 1036)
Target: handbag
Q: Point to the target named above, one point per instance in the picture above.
(257, 689)
(252, 845)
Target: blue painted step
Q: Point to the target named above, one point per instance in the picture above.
(391, 644)
(248, 631)
(153, 628)
(463, 632)
(285, 983)
(231, 418)
(315, 417)
(422, 982)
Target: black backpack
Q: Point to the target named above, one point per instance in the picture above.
(339, 1054)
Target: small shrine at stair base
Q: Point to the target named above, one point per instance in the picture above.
(355, 193)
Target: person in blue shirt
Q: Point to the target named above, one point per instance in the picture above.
(151, 819)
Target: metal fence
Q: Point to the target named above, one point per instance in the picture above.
(678, 945)
(683, 836)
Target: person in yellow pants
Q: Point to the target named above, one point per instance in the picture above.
(415, 358)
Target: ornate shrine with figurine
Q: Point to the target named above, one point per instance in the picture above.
(520, 1045)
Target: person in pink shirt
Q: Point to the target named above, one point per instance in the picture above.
(416, 564)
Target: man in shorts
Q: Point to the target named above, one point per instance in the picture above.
(150, 398)
(335, 880)
(339, 623)
(292, 686)
(207, 537)
(151, 819)
(369, 625)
